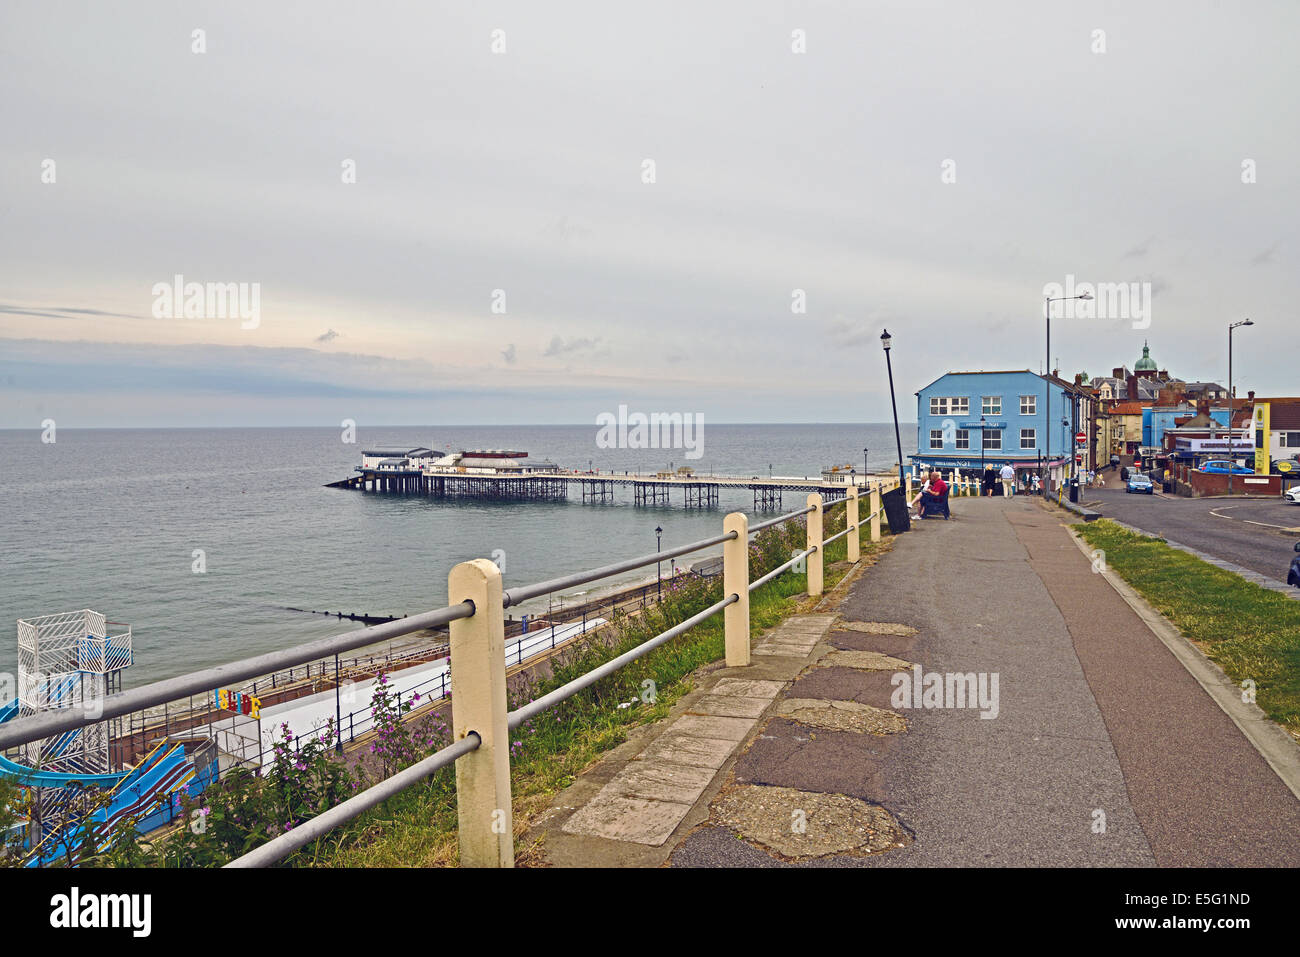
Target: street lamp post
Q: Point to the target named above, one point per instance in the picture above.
(1232, 462)
(864, 468)
(659, 577)
(885, 341)
(1047, 413)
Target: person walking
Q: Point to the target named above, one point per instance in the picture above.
(1008, 475)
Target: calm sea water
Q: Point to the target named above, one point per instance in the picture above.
(110, 520)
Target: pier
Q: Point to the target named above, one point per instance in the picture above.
(658, 490)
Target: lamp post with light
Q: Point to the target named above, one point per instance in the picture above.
(885, 340)
(1232, 461)
(659, 565)
(1047, 413)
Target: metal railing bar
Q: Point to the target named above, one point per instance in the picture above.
(276, 850)
(780, 568)
(533, 708)
(514, 596)
(50, 723)
(837, 535)
(768, 523)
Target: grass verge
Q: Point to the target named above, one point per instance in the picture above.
(1248, 631)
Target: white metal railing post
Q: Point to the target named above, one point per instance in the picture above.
(875, 512)
(478, 695)
(735, 581)
(815, 570)
(851, 523)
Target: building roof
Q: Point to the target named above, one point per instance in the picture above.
(1132, 407)
(1146, 363)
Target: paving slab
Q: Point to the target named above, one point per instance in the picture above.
(658, 780)
(730, 706)
(748, 688)
(614, 817)
(690, 749)
(712, 726)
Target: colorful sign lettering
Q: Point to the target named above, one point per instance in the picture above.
(238, 702)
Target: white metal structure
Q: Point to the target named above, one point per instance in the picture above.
(70, 660)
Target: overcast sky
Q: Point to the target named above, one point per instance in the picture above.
(928, 167)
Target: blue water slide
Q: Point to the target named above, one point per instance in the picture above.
(49, 779)
(164, 771)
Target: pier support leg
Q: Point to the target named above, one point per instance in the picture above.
(735, 581)
(874, 505)
(851, 518)
(478, 695)
(815, 577)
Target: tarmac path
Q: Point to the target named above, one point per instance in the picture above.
(1097, 722)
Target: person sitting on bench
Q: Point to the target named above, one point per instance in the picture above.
(935, 497)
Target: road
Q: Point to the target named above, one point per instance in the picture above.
(1259, 534)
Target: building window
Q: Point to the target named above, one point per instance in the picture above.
(1029, 438)
(950, 405)
(992, 440)
(1288, 440)
(1029, 405)
(963, 439)
(936, 438)
(991, 405)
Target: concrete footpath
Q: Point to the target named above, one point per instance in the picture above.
(1044, 723)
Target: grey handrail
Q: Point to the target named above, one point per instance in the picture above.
(49, 723)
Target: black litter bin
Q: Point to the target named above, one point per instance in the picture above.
(1074, 491)
(894, 503)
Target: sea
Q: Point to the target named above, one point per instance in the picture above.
(203, 540)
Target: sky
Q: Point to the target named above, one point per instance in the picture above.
(451, 213)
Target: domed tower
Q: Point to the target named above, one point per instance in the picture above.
(1146, 363)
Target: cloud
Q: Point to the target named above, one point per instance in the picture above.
(560, 348)
(329, 336)
(1140, 250)
(1259, 259)
(1158, 284)
(856, 332)
(62, 312)
(509, 354)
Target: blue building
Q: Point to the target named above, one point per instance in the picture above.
(1005, 413)
(1157, 419)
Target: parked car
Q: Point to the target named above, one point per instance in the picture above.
(1286, 467)
(1137, 482)
(1223, 466)
(1293, 576)
(1292, 495)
